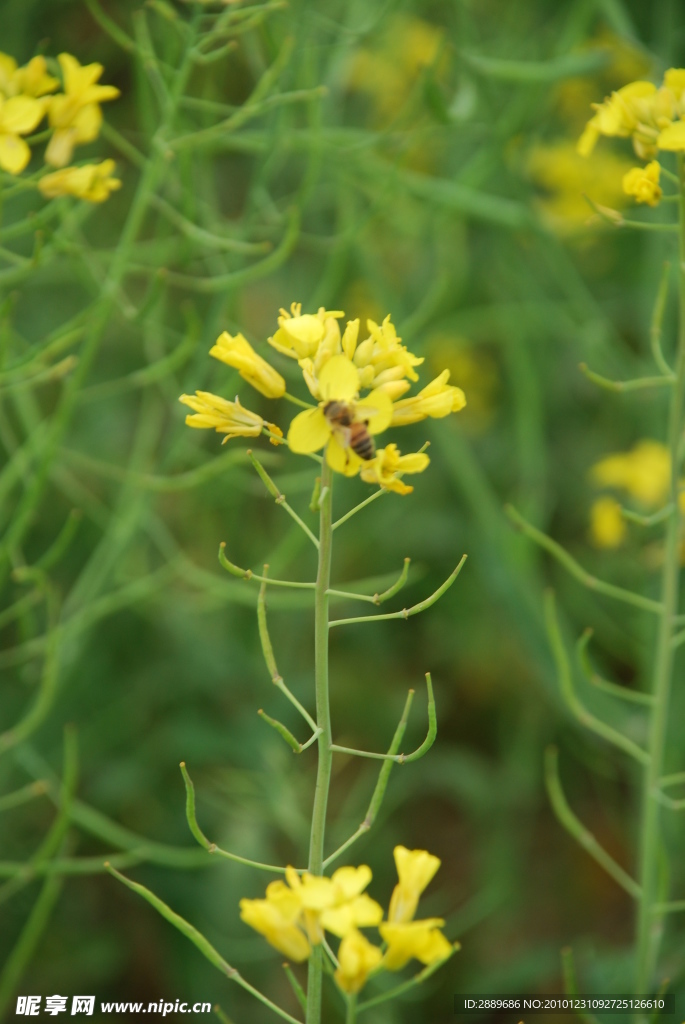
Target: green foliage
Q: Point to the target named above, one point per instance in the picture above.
(295, 152)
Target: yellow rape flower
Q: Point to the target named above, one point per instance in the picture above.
(237, 352)
(421, 940)
(19, 115)
(273, 919)
(388, 465)
(644, 473)
(75, 114)
(415, 870)
(608, 528)
(31, 80)
(230, 418)
(381, 358)
(299, 334)
(92, 182)
(357, 958)
(651, 116)
(313, 429)
(643, 183)
(337, 904)
(437, 399)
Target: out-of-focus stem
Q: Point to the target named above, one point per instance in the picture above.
(323, 721)
(649, 923)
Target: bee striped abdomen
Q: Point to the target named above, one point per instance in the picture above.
(361, 441)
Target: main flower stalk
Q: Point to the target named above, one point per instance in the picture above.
(650, 923)
(323, 721)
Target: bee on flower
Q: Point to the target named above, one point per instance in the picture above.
(359, 386)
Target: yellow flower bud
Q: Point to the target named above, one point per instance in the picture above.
(237, 352)
(643, 183)
(437, 399)
(215, 413)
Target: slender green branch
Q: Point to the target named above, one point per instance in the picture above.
(576, 570)
(283, 731)
(638, 384)
(657, 321)
(403, 758)
(380, 788)
(406, 986)
(247, 574)
(582, 835)
(202, 838)
(573, 702)
(280, 498)
(299, 992)
(396, 587)
(407, 612)
(672, 780)
(671, 907)
(198, 939)
(603, 684)
(23, 795)
(656, 517)
(568, 968)
(267, 650)
(357, 508)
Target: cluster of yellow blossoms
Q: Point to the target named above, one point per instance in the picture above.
(296, 913)
(653, 118)
(644, 474)
(336, 368)
(27, 95)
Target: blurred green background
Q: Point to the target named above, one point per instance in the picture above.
(436, 180)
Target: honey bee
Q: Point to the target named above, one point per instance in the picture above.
(350, 432)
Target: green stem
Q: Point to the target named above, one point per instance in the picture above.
(351, 1015)
(323, 721)
(649, 923)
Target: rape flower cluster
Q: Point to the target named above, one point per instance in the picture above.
(643, 474)
(336, 368)
(295, 915)
(27, 95)
(653, 118)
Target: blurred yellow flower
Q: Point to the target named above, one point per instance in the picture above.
(215, 413)
(31, 80)
(608, 528)
(388, 72)
(420, 940)
(388, 465)
(357, 957)
(644, 473)
(75, 114)
(275, 920)
(415, 870)
(237, 352)
(566, 178)
(436, 400)
(19, 115)
(92, 182)
(643, 183)
(381, 358)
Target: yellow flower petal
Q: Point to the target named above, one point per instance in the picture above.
(20, 115)
(265, 917)
(14, 153)
(342, 459)
(339, 380)
(378, 406)
(415, 939)
(357, 958)
(308, 432)
(672, 138)
(415, 869)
